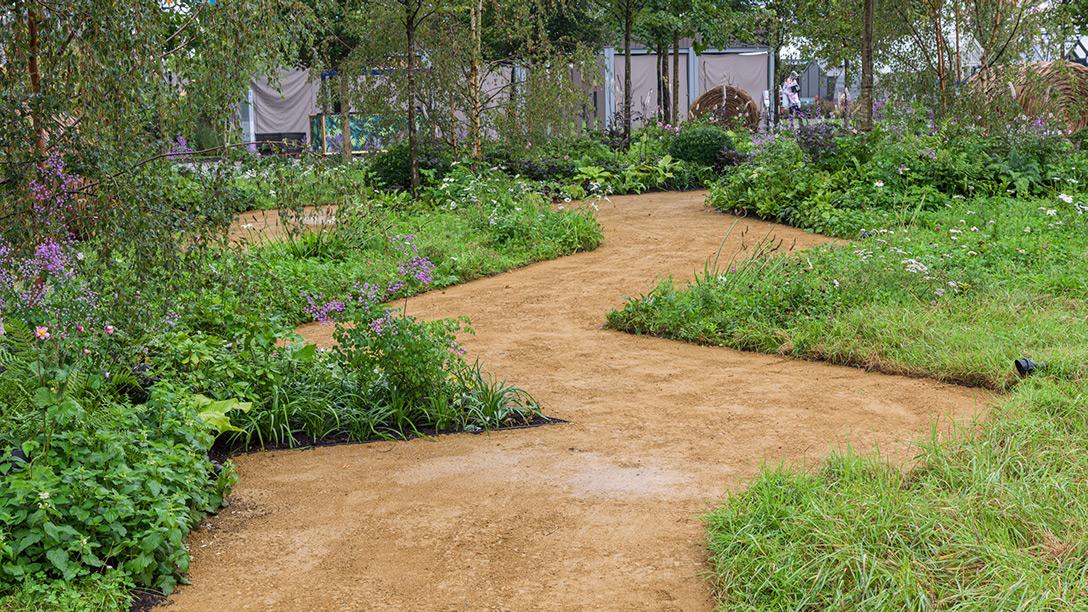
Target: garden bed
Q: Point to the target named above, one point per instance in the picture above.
(657, 431)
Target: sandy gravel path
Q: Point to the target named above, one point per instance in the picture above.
(600, 513)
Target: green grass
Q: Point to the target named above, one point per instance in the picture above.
(994, 517)
(973, 302)
(462, 246)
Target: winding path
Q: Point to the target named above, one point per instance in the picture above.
(600, 513)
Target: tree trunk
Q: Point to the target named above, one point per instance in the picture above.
(35, 81)
(676, 80)
(475, 94)
(628, 25)
(666, 104)
(775, 94)
(867, 67)
(410, 33)
(660, 92)
(846, 91)
(345, 117)
(959, 55)
(938, 39)
(512, 113)
(452, 137)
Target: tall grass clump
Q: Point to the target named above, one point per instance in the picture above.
(994, 518)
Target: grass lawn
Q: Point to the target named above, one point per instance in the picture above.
(996, 516)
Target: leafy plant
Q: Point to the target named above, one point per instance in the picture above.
(700, 144)
(391, 168)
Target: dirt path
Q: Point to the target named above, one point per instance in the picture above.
(601, 513)
(258, 226)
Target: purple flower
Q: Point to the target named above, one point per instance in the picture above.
(52, 258)
(322, 312)
(456, 349)
(419, 268)
(384, 324)
(180, 149)
(366, 295)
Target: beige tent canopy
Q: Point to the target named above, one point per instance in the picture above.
(283, 104)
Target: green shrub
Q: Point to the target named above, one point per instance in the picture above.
(122, 495)
(837, 182)
(1080, 138)
(700, 144)
(391, 166)
(108, 592)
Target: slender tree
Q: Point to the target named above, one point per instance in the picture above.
(475, 87)
(413, 16)
(675, 77)
(74, 79)
(867, 66)
(659, 26)
(624, 13)
(334, 49)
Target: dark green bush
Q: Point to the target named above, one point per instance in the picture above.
(818, 143)
(1080, 138)
(700, 144)
(392, 169)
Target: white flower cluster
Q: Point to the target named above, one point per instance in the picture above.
(914, 266)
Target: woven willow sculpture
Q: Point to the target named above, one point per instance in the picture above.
(727, 105)
(1059, 88)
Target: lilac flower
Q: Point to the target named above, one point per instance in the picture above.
(394, 287)
(366, 295)
(322, 312)
(384, 324)
(52, 258)
(419, 268)
(456, 348)
(180, 149)
(405, 244)
(52, 192)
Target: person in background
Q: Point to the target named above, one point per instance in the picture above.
(791, 92)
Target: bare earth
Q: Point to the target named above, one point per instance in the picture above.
(600, 513)
(258, 226)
